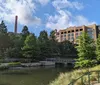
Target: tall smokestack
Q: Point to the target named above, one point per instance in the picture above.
(16, 18)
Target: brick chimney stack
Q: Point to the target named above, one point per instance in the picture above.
(16, 19)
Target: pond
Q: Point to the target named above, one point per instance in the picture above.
(38, 76)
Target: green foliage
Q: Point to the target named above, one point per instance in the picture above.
(25, 31)
(44, 44)
(67, 48)
(27, 45)
(98, 48)
(4, 39)
(53, 45)
(85, 63)
(43, 37)
(3, 27)
(14, 51)
(14, 64)
(2, 68)
(54, 48)
(52, 35)
(30, 48)
(67, 77)
(86, 51)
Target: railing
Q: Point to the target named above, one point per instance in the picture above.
(88, 82)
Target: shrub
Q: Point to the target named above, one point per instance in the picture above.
(14, 64)
(4, 68)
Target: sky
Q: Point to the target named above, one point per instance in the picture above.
(48, 15)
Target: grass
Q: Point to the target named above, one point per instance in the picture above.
(66, 78)
(14, 63)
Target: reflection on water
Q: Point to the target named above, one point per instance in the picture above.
(5, 84)
(40, 76)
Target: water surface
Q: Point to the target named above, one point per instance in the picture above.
(38, 76)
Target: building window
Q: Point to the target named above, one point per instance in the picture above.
(91, 36)
(72, 38)
(93, 31)
(68, 34)
(64, 32)
(76, 37)
(69, 38)
(64, 35)
(90, 33)
(61, 32)
(80, 33)
(99, 28)
(68, 31)
(81, 29)
(72, 34)
(89, 29)
(76, 33)
(76, 30)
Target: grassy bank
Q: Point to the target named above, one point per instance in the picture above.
(66, 78)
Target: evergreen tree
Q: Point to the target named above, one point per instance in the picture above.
(43, 37)
(16, 44)
(3, 27)
(44, 44)
(54, 49)
(5, 41)
(30, 48)
(67, 49)
(98, 48)
(52, 35)
(86, 51)
(25, 31)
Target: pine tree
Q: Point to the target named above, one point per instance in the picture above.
(30, 48)
(3, 27)
(86, 51)
(98, 48)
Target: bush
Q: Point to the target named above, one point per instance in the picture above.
(12, 64)
(4, 68)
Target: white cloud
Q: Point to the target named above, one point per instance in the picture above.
(59, 21)
(65, 19)
(81, 20)
(59, 4)
(24, 9)
(43, 2)
(78, 5)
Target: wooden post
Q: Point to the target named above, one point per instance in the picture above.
(89, 78)
(98, 77)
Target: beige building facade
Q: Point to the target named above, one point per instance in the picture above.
(72, 33)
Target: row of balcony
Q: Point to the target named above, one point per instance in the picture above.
(77, 30)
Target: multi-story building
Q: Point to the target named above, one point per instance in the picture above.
(72, 33)
(98, 29)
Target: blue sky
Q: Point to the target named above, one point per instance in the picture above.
(47, 15)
